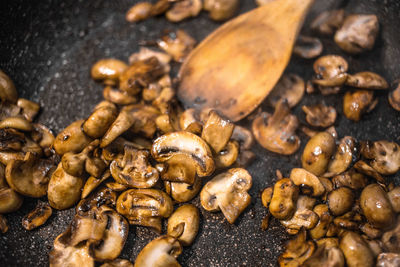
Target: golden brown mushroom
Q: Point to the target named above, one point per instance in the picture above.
(221, 9)
(356, 103)
(367, 80)
(350, 179)
(284, 199)
(308, 182)
(226, 157)
(290, 87)
(100, 120)
(118, 97)
(74, 163)
(394, 198)
(8, 93)
(10, 200)
(3, 224)
(384, 155)
(356, 251)
(362, 167)
(108, 70)
(71, 139)
(29, 109)
(217, 131)
(184, 9)
(297, 250)
(177, 44)
(325, 219)
(163, 58)
(44, 137)
(188, 121)
(342, 158)
(330, 70)
(320, 115)
(18, 123)
(394, 98)
(328, 21)
(182, 192)
(184, 224)
(139, 12)
(307, 47)
(340, 200)
(37, 217)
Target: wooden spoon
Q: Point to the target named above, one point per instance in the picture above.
(236, 66)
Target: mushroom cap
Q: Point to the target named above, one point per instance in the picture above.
(184, 9)
(71, 139)
(108, 70)
(217, 131)
(182, 192)
(187, 218)
(303, 178)
(37, 217)
(307, 47)
(100, 120)
(367, 80)
(220, 10)
(290, 87)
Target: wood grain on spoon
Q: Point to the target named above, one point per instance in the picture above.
(236, 66)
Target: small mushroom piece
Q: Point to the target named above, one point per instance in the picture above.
(29, 109)
(308, 182)
(71, 139)
(93, 182)
(162, 251)
(297, 250)
(117, 187)
(37, 217)
(394, 198)
(18, 123)
(227, 192)
(367, 80)
(100, 120)
(146, 53)
(44, 137)
(117, 263)
(385, 156)
(327, 257)
(394, 98)
(320, 115)
(290, 87)
(182, 192)
(8, 93)
(266, 196)
(220, 10)
(64, 190)
(370, 231)
(388, 260)
(328, 185)
(3, 224)
(108, 70)
(325, 219)
(145, 207)
(356, 103)
(276, 133)
(307, 47)
(243, 136)
(177, 44)
(356, 251)
(167, 146)
(102, 196)
(362, 167)
(391, 238)
(228, 155)
(74, 164)
(164, 99)
(11, 140)
(188, 121)
(184, 9)
(350, 179)
(180, 168)
(134, 169)
(317, 153)
(358, 33)
(284, 199)
(340, 201)
(330, 70)
(10, 200)
(118, 97)
(376, 206)
(328, 242)
(328, 21)
(217, 131)
(114, 236)
(184, 224)
(139, 12)
(343, 157)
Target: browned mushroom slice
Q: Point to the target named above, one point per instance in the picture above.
(8, 93)
(37, 217)
(18, 123)
(329, 257)
(217, 131)
(290, 87)
(188, 121)
(221, 9)
(100, 120)
(139, 12)
(114, 237)
(117, 263)
(164, 99)
(330, 70)
(44, 137)
(8, 110)
(113, 150)
(145, 207)
(180, 168)
(74, 164)
(71, 139)
(284, 199)
(162, 251)
(145, 53)
(391, 238)
(10, 200)
(108, 70)
(227, 192)
(297, 250)
(342, 158)
(358, 33)
(195, 148)
(307, 47)
(367, 80)
(93, 182)
(308, 182)
(29, 109)
(384, 155)
(394, 98)
(277, 132)
(182, 192)
(64, 190)
(325, 219)
(320, 115)
(328, 21)
(3, 224)
(134, 169)
(11, 140)
(102, 196)
(184, 9)
(184, 224)
(118, 97)
(388, 260)
(178, 44)
(363, 167)
(228, 155)
(356, 251)
(351, 179)
(356, 103)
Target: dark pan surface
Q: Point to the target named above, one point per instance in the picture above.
(47, 47)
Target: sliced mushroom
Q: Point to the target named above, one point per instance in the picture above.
(184, 224)
(44, 137)
(180, 168)
(178, 44)
(308, 182)
(327, 257)
(29, 109)
(3, 224)
(37, 217)
(328, 242)
(8, 93)
(182, 192)
(290, 87)
(133, 169)
(71, 139)
(394, 98)
(162, 251)
(367, 80)
(10, 200)
(117, 263)
(93, 182)
(184, 9)
(328, 21)
(394, 198)
(217, 131)
(343, 157)
(391, 238)
(362, 167)
(340, 201)
(102, 196)
(100, 120)
(228, 155)
(221, 9)
(325, 219)
(18, 123)
(266, 196)
(139, 12)
(320, 115)
(243, 136)
(277, 132)
(227, 192)
(146, 53)
(74, 164)
(108, 70)
(358, 33)
(297, 250)
(330, 70)
(350, 179)
(356, 251)
(188, 121)
(384, 155)
(388, 260)
(370, 231)
(284, 199)
(307, 47)
(145, 207)
(167, 146)
(118, 97)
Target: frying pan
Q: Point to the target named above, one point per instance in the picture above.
(47, 48)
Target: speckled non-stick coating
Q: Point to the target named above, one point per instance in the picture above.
(47, 47)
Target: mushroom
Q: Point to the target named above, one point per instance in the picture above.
(307, 47)
(388, 260)
(356, 251)
(328, 185)
(177, 44)
(317, 153)
(243, 136)
(162, 251)
(146, 53)
(63, 190)
(325, 219)
(362, 167)
(342, 158)
(93, 182)
(117, 263)
(356, 103)
(228, 155)
(350, 179)
(118, 97)
(114, 236)
(8, 110)
(358, 33)
(290, 87)
(18, 123)
(297, 250)
(184, 224)
(193, 147)
(29, 109)
(284, 199)
(277, 132)
(376, 206)
(134, 169)
(220, 10)
(384, 155)
(328, 21)
(394, 98)
(145, 207)
(180, 168)
(394, 198)
(100, 120)
(29, 176)
(328, 242)
(217, 131)
(164, 99)
(139, 12)
(327, 257)
(37, 217)
(44, 137)
(71, 139)
(116, 148)
(184, 9)
(391, 238)
(308, 182)
(10, 200)
(182, 192)
(227, 192)
(266, 196)
(102, 196)
(367, 80)
(74, 163)
(320, 115)
(117, 187)
(11, 140)
(108, 70)
(340, 201)
(188, 121)
(330, 70)
(160, 7)
(8, 93)
(3, 224)
(370, 231)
